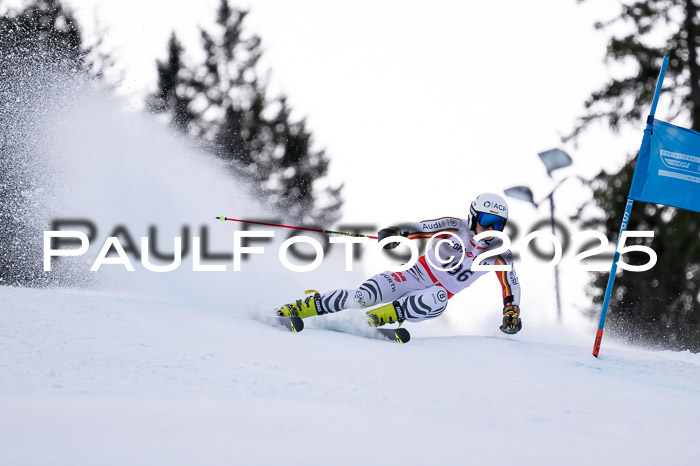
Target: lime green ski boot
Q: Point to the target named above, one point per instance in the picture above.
(303, 308)
(386, 314)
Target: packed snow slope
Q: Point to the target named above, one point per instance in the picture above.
(103, 379)
(187, 368)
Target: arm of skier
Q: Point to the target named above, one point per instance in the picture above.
(423, 229)
(511, 295)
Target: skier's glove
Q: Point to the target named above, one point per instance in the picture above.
(511, 319)
(387, 232)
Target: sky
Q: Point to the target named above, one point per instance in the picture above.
(419, 105)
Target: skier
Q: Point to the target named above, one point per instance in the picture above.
(422, 292)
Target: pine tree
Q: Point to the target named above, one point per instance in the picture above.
(661, 305)
(674, 24)
(43, 29)
(225, 102)
(173, 96)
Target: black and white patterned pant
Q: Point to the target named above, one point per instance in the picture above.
(414, 290)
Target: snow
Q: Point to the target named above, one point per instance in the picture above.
(97, 378)
(184, 367)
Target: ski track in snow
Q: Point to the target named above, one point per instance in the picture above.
(92, 378)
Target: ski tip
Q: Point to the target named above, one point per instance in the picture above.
(399, 335)
(402, 335)
(293, 324)
(297, 325)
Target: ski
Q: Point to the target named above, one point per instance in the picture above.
(399, 335)
(293, 324)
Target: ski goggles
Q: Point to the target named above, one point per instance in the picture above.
(490, 220)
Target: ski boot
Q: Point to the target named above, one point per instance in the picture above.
(303, 308)
(386, 314)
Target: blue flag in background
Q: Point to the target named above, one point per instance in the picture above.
(668, 167)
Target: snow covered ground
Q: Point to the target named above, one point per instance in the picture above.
(92, 378)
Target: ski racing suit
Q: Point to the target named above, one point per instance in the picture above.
(423, 290)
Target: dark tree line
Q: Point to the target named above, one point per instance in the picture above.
(224, 101)
(660, 306)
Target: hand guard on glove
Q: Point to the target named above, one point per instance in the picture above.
(387, 232)
(511, 319)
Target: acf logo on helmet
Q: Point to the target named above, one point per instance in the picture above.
(487, 204)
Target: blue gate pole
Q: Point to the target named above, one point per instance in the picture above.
(611, 279)
(626, 217)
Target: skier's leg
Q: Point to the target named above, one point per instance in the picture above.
(368, 294)
(413, 306)
(422, 304)
(384, 287)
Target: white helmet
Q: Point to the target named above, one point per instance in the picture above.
(488, 209)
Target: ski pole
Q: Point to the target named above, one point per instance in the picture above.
(328, 232)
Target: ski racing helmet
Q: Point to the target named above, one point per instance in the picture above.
(488, 209)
